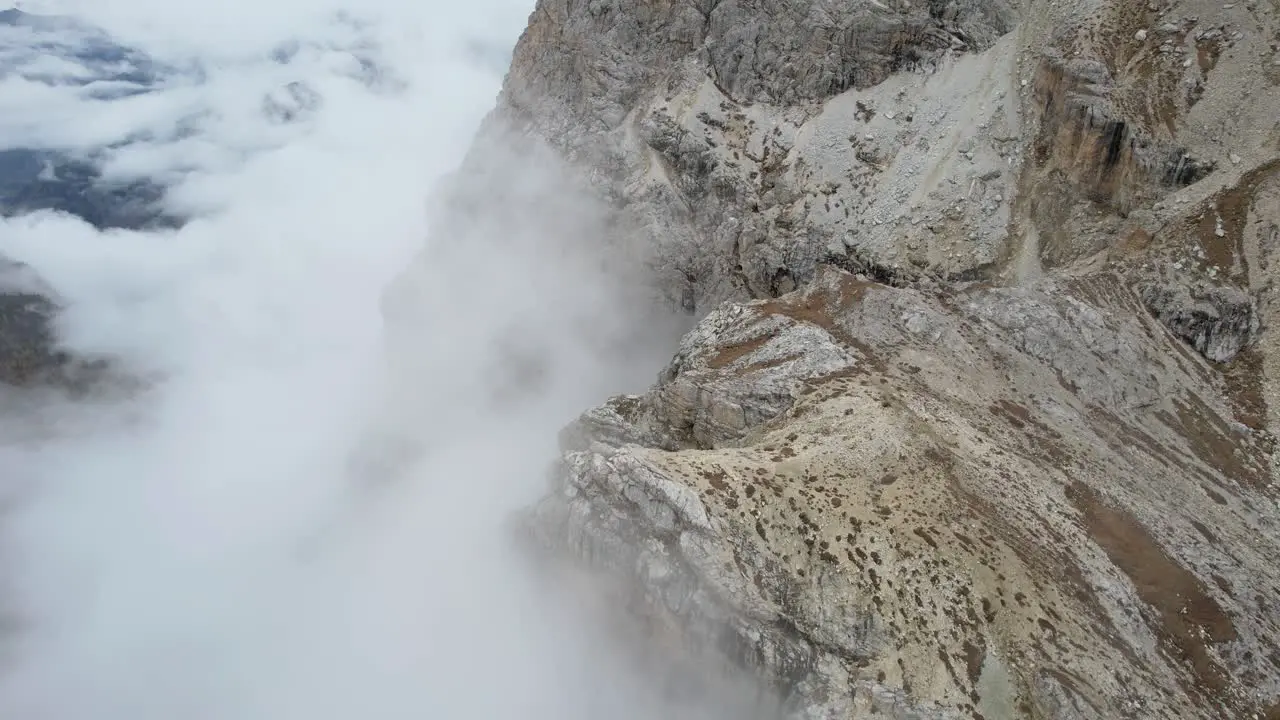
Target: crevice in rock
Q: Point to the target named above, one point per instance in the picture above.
(858, 264)
(1219, 321)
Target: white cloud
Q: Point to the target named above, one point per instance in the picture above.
(199, 552)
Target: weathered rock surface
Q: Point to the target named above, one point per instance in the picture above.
(1006, 501)
(1035, 138)
(741, 144)
(978, 419)
(1218, 321)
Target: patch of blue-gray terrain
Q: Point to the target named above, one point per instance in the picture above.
(64, 180)
(71, 180)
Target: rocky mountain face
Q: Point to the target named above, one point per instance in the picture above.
(978, 416)
(27, 343)
(36, 179)
(30, 352)
(991, 501)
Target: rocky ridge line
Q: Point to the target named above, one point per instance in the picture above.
(977, 417)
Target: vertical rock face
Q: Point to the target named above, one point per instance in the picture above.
(1218, 321)
(977, 419)
(741, 142)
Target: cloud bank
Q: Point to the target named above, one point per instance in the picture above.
(208, 548)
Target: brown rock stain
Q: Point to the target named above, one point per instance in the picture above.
(729, 354)
(1190, 621)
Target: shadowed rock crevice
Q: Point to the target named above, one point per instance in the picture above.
(1218, 321)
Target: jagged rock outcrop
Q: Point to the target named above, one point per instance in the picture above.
(748, 178)
(978, 419)
(1218, 321)
(742, 138)
(965, 164)
(1005, 501)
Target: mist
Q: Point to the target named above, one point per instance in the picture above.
(346, 391)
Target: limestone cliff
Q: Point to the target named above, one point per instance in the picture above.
(978, 417)
(1013, 502)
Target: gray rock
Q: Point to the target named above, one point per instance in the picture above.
(956, 491)
(702, 123)
(1217, 320)
(936, 446)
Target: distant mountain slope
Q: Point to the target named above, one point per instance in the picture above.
(57, 51)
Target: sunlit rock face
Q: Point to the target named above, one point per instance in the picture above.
(976, 417)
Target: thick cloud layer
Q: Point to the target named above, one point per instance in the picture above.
(208, 548)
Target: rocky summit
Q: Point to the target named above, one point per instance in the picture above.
(977, 415)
